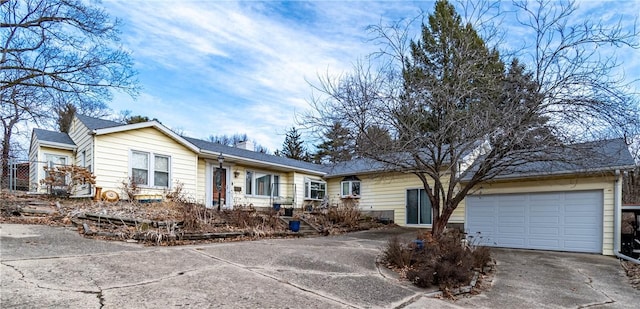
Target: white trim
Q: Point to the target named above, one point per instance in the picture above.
(254, 188)
(351, 189)
(210, 168)
(208, 184)
(151, 157)
(406, 213)
(57, 145)
(307, 195)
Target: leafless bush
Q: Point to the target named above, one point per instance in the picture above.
(66, 179)
(444, 261)
(242, 217)
(177, 193)
(346, 214)
(130, 188)
(397, 254)
(192, 216)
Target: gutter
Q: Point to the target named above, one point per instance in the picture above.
(617, 220)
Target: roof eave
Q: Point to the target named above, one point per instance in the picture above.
(244, 159)
(58, 145)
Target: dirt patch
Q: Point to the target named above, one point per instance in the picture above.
(167, 222)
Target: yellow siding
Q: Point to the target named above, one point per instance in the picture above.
(239, 197)
(112, 152)
(604, 183)
(81, 136)
(386, 193)
(200, 182)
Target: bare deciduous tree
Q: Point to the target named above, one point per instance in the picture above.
(57, 52)
(457, 116)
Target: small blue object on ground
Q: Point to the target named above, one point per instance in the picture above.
(294, 226)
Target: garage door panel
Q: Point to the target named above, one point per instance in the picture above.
(554, 231)
(545, 198)
(516, 242)
(564, 221)
(515, 229)
(544, 208)
(544, 220)
(543, 243)
(580, 232)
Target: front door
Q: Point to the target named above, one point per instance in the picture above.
(219, 186)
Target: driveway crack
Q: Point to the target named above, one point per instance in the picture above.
(590, 284)
(23, 278)
(255, 271)
(99, 292)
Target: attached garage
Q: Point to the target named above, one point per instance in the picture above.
(559, 221)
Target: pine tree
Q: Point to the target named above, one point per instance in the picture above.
(336, 146)
(293, 146)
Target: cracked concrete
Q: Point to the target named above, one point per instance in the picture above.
(56, 268)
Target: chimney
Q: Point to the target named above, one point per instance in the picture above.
(248, 145)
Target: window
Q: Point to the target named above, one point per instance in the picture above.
(350, 187)
(56, 161)
(314, 189)
(418, 207)
(161, 171)
(142, 169)
(259, 183)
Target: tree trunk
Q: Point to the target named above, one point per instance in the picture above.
(6, 143)
(440, 222)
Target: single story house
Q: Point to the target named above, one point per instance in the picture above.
(566, 208)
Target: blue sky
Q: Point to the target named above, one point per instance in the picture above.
(225, 67)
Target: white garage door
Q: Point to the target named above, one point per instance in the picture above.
(561, 221)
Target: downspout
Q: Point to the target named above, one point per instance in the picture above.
(617, 220)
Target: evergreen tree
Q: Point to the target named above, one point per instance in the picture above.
(336, 146)
(293, 146)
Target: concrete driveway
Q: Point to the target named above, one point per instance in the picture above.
(55, 267)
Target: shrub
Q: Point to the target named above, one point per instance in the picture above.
(481, 256)
(242, 217)
(346, 214)
(192, 215)
(396, 254)
(444, 261)
(177, 193)
(65, 180)
(130, 188)
(421, 277)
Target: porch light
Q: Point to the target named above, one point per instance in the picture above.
(220, 160)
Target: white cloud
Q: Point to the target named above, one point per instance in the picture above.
(223, 67)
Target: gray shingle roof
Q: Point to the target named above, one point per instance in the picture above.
(97, 123)
(53, 137)
(244, 153)
(354, 167)
(594, 156)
